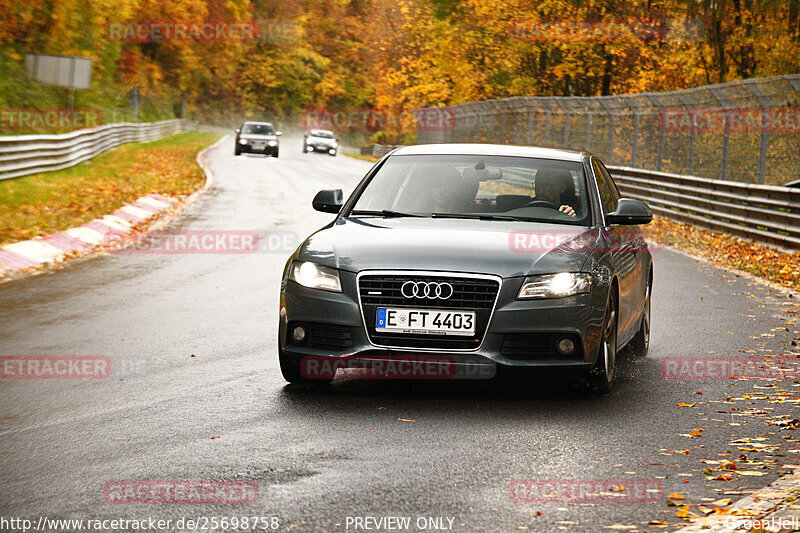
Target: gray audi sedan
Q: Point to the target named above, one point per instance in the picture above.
(451, 259)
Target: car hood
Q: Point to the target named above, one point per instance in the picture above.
(320, 140)
(504, 248)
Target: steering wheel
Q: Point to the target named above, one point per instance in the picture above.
(542, 203)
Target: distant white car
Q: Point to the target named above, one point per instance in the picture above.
(320, 141)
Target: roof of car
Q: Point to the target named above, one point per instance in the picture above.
(491, 149)
(255, 122)
(321, 131)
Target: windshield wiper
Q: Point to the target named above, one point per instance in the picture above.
(384, 213)
(476, 216)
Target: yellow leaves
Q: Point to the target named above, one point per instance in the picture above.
(676, 496)
(682, 404)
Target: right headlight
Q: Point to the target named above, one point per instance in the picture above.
(315, 276)
(555, 285)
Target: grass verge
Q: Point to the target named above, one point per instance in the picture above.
(728, 251)
(41, 204)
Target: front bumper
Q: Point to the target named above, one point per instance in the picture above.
(520, 333)
(258, 149)
(320, 147)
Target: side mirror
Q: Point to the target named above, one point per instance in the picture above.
(278, 133)
(630, 212)
(238, 131)
(328, 201)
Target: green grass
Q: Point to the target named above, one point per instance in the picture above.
(41, 204)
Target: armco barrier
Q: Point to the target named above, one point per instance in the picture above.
(763, 213)
(21, 155)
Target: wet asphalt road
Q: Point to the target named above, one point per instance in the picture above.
(319, 457)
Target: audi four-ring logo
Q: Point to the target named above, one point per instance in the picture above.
(426, 289)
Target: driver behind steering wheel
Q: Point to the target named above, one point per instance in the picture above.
(550, 184)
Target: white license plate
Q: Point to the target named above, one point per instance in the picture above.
(259, 145)
(425, 321)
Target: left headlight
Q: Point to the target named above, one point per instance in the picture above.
(242, 141)
(315, 276)
(554, 285)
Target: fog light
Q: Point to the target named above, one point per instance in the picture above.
(309, 148)
(299, 333)
(565, 346)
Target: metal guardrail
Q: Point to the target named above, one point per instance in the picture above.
(378, 150)
(21, 155)
(763, 213)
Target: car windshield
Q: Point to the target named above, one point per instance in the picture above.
(475, 186)
(322, 134)
(258, 129)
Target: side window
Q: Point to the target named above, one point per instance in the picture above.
(608, 191)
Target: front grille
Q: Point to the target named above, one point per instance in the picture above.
(533, 346)
(469, 294)
(324, 336)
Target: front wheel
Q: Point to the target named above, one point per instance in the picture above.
(275, 153)
(603, 375)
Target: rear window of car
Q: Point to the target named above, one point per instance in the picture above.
(521, 187)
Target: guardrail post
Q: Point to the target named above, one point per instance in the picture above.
(610, 156)
(529, 136)
(690, 149)
(635, 140)
(548, 114)
(589, 131)
(660, 156)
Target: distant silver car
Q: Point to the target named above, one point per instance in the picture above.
(320, 141)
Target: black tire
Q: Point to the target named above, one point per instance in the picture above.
(236, 151)
(604, 373)
(275, 153)
(640, 343)
(292, 373)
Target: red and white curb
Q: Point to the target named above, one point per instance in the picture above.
(43, 251)
(37, 254)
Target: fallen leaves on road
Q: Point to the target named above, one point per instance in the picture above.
(728, 251)
(406, 420)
